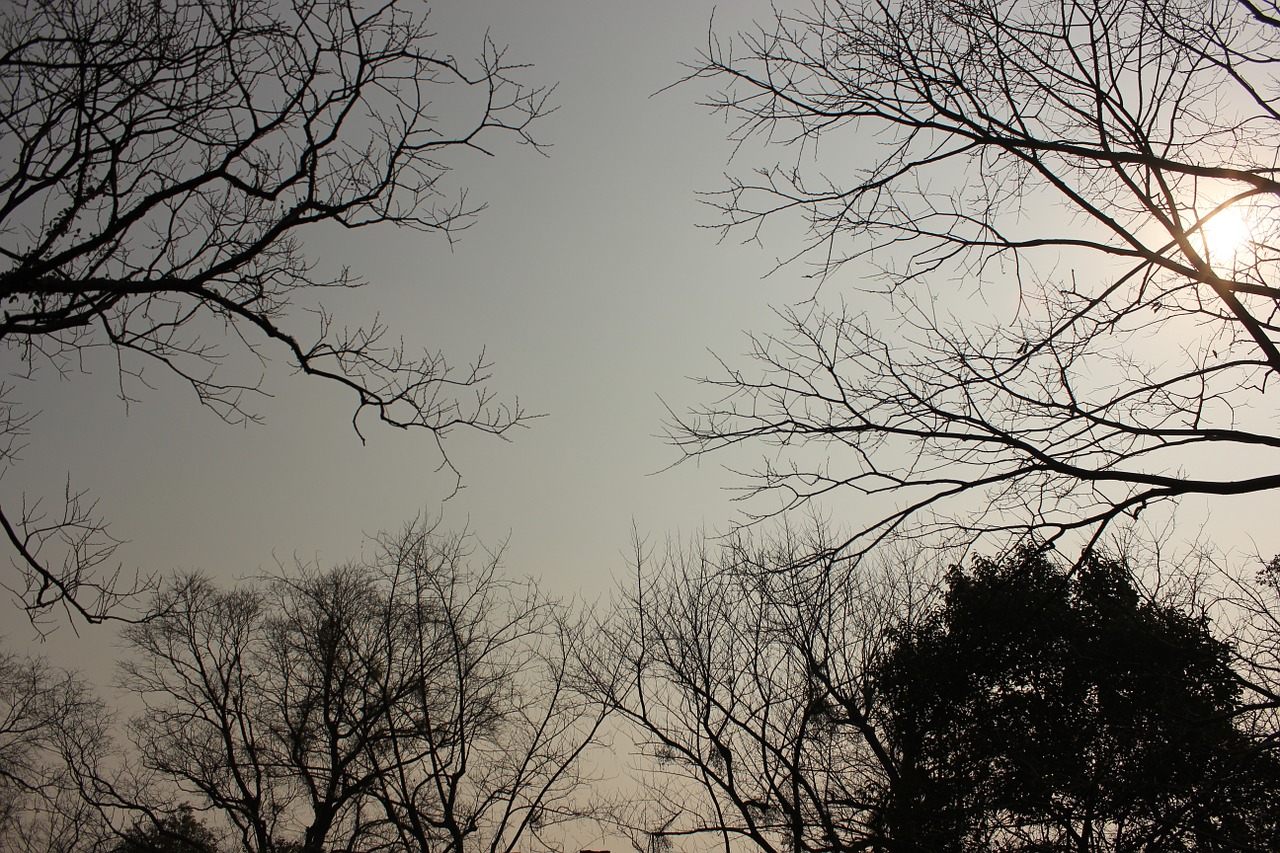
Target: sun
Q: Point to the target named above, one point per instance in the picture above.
(1226, 235)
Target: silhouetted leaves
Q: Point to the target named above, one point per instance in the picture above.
(1017, 705)
(1045, 709)
(181, 833)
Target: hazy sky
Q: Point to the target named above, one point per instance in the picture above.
(586, 280)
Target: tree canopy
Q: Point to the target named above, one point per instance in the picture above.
(1039, 709)
(181, 833)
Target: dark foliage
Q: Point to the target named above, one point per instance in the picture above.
(181, 833)
(1017, 706)
(1045, 710)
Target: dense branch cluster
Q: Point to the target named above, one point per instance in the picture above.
(159, 161)
(414, 701)
(1065, 214)
(52, 727)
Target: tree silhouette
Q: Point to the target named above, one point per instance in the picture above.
(1022, 705)
(162, 159)
(748, 689)
(181, 833)
(1063, 214)
(1043, 710)
(53, 732)
(414, 701)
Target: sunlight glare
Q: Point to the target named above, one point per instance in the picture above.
(1226, 235)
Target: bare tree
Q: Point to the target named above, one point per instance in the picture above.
(65, 784)
(1025, 704)
(1064, 217)
(415, 701)
(160, 161)
(52, 727)
(750, 695)
(489, 750)
(1250, 609)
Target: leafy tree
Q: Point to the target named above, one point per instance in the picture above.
(162, 162)
(1060, 219)
(1020, 706)
(1039, 709)
(181, 833)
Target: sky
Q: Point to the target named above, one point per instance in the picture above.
(587, 282)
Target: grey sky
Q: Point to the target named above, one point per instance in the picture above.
(587, 282)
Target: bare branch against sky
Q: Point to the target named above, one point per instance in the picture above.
(162, 162)
(1052, 273)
